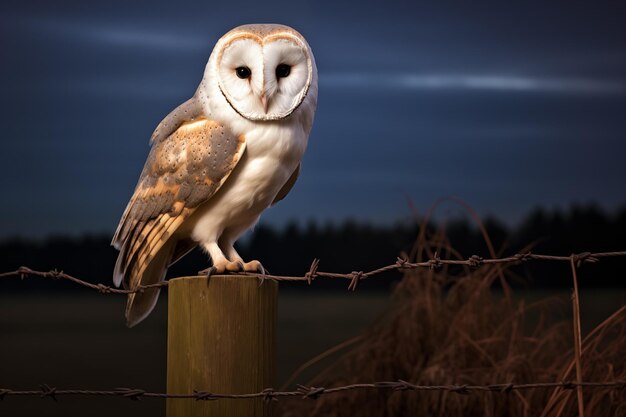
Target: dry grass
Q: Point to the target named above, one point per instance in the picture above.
(454, 328)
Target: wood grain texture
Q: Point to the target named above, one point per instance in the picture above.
(221, 339)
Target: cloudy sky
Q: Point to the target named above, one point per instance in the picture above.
(506, 106)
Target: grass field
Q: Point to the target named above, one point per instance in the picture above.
(78, 340)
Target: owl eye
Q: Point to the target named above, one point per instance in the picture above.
(243, 72)
(282, 70)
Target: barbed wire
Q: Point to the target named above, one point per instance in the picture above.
(355, 277)
(312, 392)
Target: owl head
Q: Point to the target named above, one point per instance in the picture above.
(263, 71)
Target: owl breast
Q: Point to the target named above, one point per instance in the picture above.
(273, 152)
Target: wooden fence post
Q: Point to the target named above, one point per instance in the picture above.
(221, 339)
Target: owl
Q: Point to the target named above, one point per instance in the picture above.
(219, 159)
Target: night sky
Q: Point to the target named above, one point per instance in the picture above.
(507, 106)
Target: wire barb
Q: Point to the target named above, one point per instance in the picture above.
(132, 393)
(268, 395)
(204, 396)
(311, 392)
(475, 261)
(310, 276)
(48, 391)
(354, 280)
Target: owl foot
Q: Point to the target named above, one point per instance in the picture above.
(221, 267)
(254, 266)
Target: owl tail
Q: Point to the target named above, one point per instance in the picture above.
(140, 304)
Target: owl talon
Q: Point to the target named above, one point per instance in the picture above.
(235, 266)
(208, 272)
(218, 268)
(223, 267)
(254, 266)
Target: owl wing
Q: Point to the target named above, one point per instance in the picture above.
(189, 111)
(183, 170)
(288, 185)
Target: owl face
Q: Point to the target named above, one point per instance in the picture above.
(264, 71)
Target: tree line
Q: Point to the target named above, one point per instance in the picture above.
(353, 246)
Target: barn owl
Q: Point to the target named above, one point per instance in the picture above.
(219, 159)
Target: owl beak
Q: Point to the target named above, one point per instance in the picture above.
(264, 102)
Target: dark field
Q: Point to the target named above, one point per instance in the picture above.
(79, 340)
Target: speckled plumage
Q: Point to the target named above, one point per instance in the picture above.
(219, 159)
